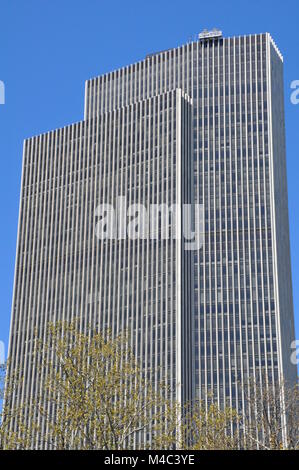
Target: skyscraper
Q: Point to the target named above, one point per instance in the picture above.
(201, 124)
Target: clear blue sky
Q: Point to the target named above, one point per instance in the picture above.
(49, 47)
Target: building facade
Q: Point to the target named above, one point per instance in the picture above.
(201, 124)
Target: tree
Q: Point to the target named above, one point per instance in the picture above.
(2, 379)
(94, 396)
(272, 416)
(14, 433)
(210, 427)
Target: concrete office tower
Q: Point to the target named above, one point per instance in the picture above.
(238, 321)
(74, 254)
